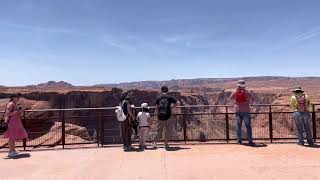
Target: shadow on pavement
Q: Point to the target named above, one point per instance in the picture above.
(257, 145)
(176, 148)
(315, 146)
(20, 156)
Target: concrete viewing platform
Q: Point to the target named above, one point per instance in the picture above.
(182, 162)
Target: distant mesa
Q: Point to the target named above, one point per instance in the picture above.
(54, 84)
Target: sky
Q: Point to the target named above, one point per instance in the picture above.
(87, 42)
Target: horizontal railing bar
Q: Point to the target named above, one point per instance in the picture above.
(151, 107)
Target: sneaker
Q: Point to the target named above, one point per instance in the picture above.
(312, 145)
(166, 146)
(141, 147)
(127, 148)
(154, 145)
(300, 143)
(13, 154)
(252, 144)
(240, 142)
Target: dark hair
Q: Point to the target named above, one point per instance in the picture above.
(164, 89)
(145, 109)
(125, 96)
(16, 95)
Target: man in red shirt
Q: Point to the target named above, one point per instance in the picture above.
(242, 99)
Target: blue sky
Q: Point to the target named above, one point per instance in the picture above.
(89, 42)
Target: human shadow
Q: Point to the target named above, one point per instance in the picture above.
(176, 148)
(134, 149)
(173, 148)
(314, 146)
(20, 156)
(257, 145)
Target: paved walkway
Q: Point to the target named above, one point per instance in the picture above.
(201, 162)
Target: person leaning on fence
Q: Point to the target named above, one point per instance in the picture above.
(242, 99)
(143, 118)
(301, 105)
(125, 126)
(15, 130)
(134, 121)
(164, 106)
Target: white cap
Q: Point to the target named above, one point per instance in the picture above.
(145, 105)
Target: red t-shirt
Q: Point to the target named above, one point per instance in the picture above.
(242, 106)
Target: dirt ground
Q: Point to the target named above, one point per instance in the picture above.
(192, 162)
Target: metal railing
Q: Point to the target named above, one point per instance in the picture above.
(54, 127)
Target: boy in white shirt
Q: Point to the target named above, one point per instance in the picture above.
(144, 125)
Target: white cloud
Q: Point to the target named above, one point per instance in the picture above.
(185, 39)
(111, 41)
(308, 35)
(39, 28)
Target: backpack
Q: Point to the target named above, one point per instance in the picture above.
(241, 96)
(302, 104)
(120, 114)
(164, 109)
(3, 124)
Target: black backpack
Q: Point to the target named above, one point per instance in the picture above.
(164, 109)
(3, 124)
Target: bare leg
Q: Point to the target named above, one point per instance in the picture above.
(12, 144)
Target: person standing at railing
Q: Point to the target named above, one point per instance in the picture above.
(164, 106)
(144, 125)
(15, 130)
(301, 105)
(134, 121)
(242, 99)
(126, 125)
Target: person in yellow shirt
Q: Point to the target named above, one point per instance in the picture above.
(301, 105)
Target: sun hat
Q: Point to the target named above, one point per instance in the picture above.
(241, 84)
(297, 89)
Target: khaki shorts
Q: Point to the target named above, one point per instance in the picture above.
(161, 125)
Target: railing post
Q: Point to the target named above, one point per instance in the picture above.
(98, 131)
(63, 131)
(102, 129)
(24, 122)
(314, 123)
(227, 125)
(270, 124)
(184, 128)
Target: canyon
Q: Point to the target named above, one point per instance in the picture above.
(62, 95)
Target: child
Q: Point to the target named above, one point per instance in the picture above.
(144, 124)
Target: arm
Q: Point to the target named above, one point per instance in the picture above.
(149, 120)
(129, 111)
(309, 105)
(157, 107)
(293, 103)
(156, 110)
(10, 112)
(175, 102)
(233, 97)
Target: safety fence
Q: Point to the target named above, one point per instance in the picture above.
(203, 123)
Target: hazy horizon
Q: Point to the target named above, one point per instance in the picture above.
(84, 85)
